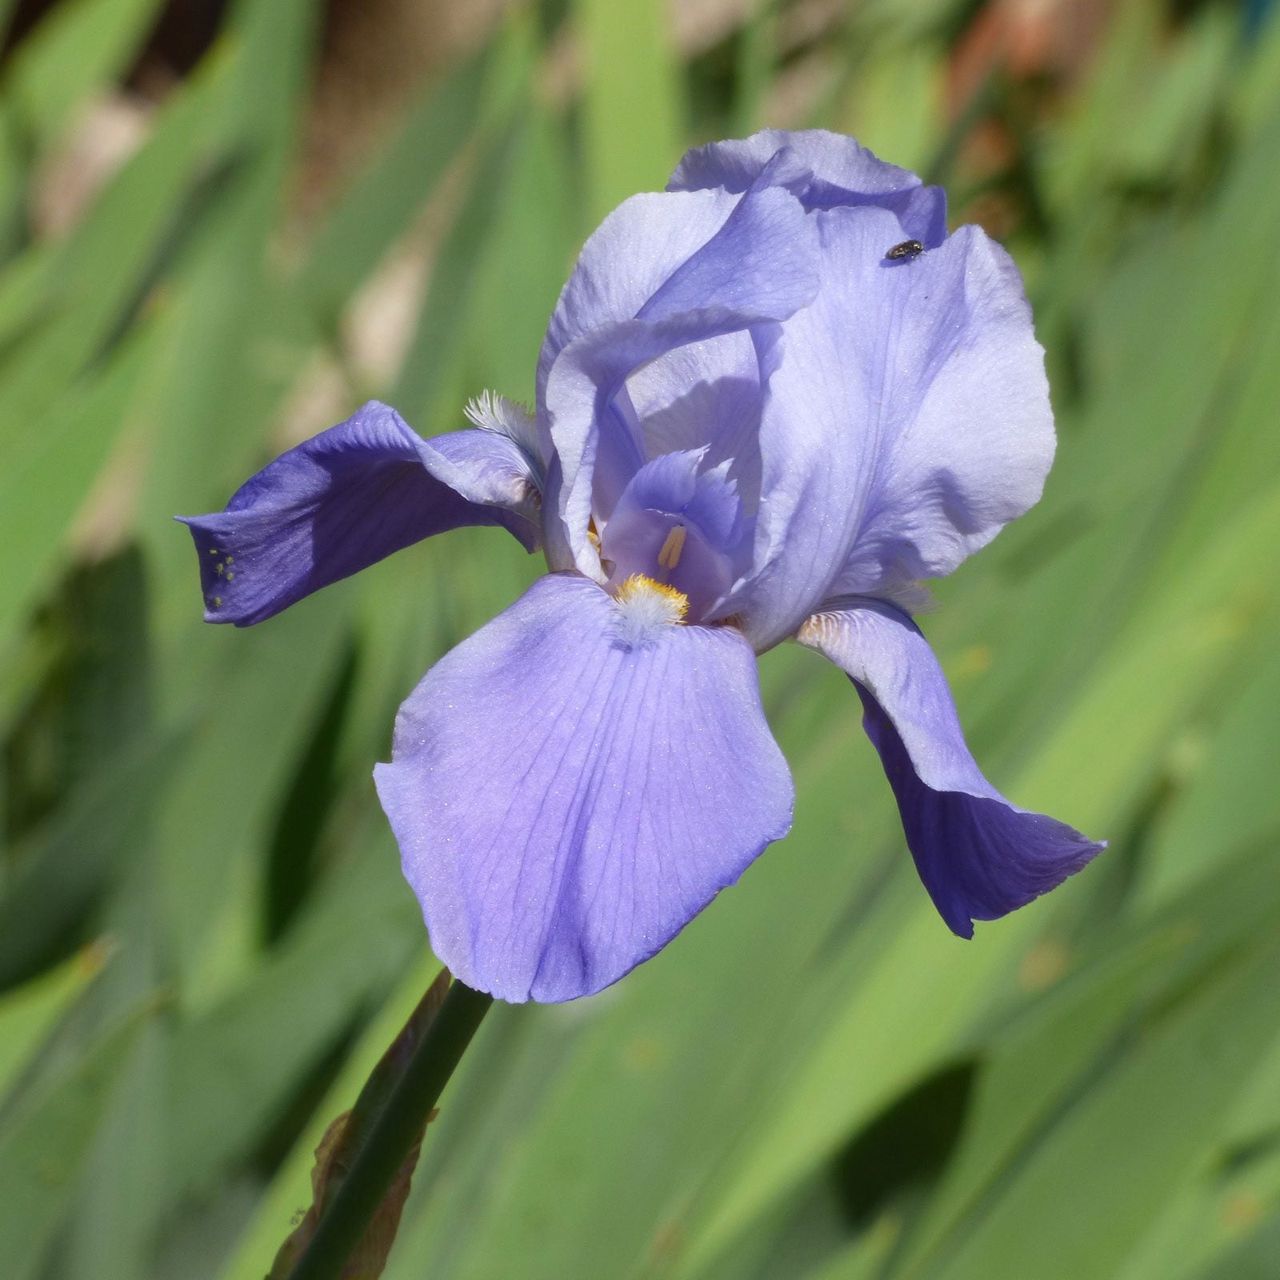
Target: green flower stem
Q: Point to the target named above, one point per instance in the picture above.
(392, 1133)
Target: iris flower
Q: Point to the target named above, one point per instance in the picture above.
(754, 423)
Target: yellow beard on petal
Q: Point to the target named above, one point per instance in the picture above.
(646, 605)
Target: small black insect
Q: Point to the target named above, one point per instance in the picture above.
(907, 249)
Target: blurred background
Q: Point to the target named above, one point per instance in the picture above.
(222, 227)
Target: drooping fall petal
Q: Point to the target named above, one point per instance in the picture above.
(346, 499)
(979, 856)
(573, 783)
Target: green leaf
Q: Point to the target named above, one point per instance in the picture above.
(60, 463)
(237, 1063)
(342, 1141)
(67, 864)
(1130, 1141)
(630, 75)
(381, 202)
(43, 1148)
(28, 1014)
(76, 51)
(289, 1191)
(1037, 1066)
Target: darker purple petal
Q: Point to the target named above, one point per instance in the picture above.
(575, 782)
(342, 501)
(979, 856)
(824, 171)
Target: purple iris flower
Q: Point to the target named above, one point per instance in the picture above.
(753, 424)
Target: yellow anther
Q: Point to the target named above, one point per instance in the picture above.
(669, 555)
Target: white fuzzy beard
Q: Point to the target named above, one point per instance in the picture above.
(491, 412)
(644, 606)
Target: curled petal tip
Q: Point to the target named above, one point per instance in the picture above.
(979, 856)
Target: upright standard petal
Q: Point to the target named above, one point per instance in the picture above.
(979, 856)
(906, 419)
(347, 498)
(626, 774)
(824, 170)
(705, 396)
(967, 429)
(661, 253)
(759, 266)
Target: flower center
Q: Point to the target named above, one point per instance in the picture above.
(668, 550)
(645, 605)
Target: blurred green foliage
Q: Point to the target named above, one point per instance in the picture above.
(204, 940)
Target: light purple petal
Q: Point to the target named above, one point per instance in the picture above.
(906, 420)
(968, 432)
(979, 856)
(565, 802)
(814, 469)
(662, 253)
(705, 396)
(626, 261)
(345, 499)
(758, 265)
(823, 170)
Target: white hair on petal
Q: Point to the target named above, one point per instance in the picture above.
(644, 606)
(493, 412)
